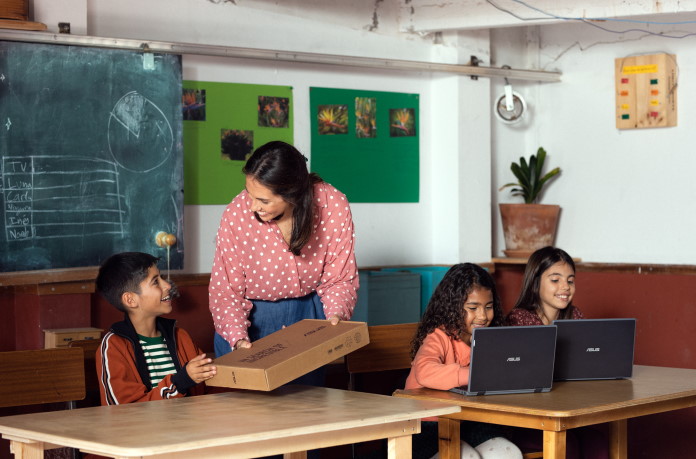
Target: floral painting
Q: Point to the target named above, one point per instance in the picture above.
(273, 111)
(333, 119)
(402, 122)
(193, 104)
(236, 145)
(365, 117)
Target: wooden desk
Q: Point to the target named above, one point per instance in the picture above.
(291, 419)
(568, 405)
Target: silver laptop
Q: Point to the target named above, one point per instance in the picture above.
(511, 360)
(594, 349)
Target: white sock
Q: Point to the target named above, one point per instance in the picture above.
(466, 452)
(498, 448)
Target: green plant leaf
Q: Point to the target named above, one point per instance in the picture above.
(529, 177)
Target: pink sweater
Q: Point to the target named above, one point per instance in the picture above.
(440, 363)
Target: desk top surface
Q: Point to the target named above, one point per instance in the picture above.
(649, 385)
(217, 419)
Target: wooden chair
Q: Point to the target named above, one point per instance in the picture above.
(389, 349)
(89, 347)
(42, 376)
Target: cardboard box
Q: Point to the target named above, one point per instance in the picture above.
(61, 337)
(288, 354)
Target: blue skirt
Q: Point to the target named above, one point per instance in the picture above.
(267, 317)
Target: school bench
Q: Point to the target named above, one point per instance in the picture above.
(40, 377)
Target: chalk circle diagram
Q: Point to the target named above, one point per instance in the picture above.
(140, 137)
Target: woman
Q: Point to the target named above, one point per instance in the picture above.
(284, 251)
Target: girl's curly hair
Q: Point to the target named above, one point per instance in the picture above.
(446, 307)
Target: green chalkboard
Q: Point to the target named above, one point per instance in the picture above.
(91, 155)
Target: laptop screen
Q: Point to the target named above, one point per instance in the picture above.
(511, 360)
(595, 349)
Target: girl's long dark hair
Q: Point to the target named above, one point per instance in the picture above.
(538, 262)
(446, 307)
(283, 169)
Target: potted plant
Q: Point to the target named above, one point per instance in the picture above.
(529, 226)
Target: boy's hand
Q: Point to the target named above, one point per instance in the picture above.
(199, 368)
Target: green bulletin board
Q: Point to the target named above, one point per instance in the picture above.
(223, 124)
(365, 143)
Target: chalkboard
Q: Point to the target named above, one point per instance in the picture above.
(91, 155)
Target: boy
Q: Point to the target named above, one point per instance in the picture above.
(145, 357)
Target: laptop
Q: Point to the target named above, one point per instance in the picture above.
(594, 349)
(511, 360)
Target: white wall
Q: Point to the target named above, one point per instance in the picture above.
(626, 195)
(451, 222)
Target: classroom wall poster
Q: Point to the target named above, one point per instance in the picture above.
(223, 124)
(366, 143)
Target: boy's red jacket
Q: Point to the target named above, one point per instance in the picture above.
(122, 369)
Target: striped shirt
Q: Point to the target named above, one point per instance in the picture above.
(159, 361)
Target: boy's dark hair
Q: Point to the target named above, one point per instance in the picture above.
(283, 169)
(123, 272)
(446, 306)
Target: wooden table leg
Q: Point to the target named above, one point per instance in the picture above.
(400, 447)
(23, 450)
(448, 434)
(554, 444)
(295, 455)
(618, 439)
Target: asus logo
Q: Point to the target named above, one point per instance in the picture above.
(592, 349)
(513, 359)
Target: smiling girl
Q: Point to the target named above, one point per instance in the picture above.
(547, 294)
(464, 300)
(547, 290)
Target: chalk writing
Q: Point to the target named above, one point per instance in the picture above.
(80, 195)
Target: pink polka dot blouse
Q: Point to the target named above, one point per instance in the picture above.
(253, 262)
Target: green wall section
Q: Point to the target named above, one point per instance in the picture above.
(208, 178)
(383, 168)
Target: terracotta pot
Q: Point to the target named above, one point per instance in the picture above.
(528, 227)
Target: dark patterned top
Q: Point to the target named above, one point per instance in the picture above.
(519, 316)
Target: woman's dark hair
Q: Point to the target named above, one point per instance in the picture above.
(446, 306)
(538, 263)
(281, 168)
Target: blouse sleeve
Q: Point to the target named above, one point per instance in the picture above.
(339, 281)
(228, 306)
(430, 369)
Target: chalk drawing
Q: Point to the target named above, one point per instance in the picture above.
(140, 137)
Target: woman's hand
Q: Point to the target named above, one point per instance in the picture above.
(242, 343)
(334, 319)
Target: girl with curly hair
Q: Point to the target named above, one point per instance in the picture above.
(465, 299)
